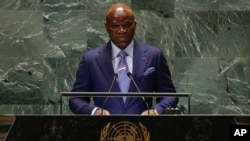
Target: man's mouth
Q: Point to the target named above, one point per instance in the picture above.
(122, 38)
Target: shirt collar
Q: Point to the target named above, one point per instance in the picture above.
(129, 49)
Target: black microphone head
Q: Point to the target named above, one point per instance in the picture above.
(129, 74)
(115, 75)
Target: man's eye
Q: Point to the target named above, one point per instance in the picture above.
(123, 26)
(127, 25)
(114, 26)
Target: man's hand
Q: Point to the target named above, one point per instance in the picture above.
(150, 112)
(101, 112)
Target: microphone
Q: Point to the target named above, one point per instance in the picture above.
(111, 86)
(138, 89)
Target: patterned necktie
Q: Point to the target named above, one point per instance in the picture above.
(122, 70)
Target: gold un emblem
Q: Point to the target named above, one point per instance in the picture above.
(124, 131)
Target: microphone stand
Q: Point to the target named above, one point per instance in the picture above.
(132, 79)
(106, 99)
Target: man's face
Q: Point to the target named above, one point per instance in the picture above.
(120, 25)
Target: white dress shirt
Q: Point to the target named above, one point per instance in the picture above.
(115, 60)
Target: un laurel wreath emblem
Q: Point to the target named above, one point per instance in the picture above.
(124, 131)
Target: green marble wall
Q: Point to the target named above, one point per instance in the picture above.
(206, 42)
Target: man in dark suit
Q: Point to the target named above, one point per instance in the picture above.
(98, 67)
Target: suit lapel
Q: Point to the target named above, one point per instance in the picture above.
(104, 61)
(140, 61)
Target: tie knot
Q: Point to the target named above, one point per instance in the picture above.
(122, 54)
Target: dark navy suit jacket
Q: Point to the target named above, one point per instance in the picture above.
(95, 74)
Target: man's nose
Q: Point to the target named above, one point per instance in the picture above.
(121, 29)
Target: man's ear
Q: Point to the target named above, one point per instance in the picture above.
(135, 23)
(105, 25)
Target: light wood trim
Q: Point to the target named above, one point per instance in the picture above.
(6, 120)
